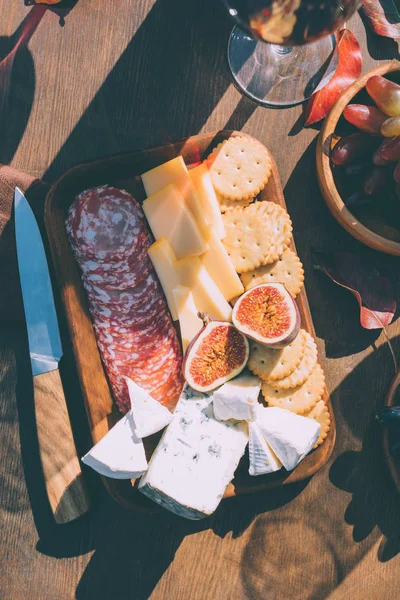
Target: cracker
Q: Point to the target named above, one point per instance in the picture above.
(225, 204)
(301, 399)
(239, 167)
(288, 270)
(321, 414)
(256, 235)
(271, 364)
(303, 370)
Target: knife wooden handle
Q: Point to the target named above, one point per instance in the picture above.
(63, 477)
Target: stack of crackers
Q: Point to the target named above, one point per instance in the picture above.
(258, 235)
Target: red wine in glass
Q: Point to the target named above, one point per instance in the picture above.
(282, 51)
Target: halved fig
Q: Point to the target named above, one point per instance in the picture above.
(217, 354)
(267, 314)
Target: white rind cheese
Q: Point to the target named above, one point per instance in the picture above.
(120, 453)
(149, 416)
(290, 436)
(261, 456)
(237, 399)
(196, 458)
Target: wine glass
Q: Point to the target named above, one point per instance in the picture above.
(300, 54)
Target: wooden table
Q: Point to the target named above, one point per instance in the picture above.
(124, 75)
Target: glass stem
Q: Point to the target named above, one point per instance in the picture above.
(282, 50)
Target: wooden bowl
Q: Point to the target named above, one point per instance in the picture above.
(365, 234)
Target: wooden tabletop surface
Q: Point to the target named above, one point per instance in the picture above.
(119, 76)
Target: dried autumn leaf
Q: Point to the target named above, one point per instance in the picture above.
(374, 293)
(348, 69)
(382, 17)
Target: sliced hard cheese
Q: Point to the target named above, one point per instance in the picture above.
(195, 460)
(217, 262)
(169, 217)
(163, 258)
(261, 456)
(175, 171)
(190, 324)
(149, 416)
(290, 436)
(201, 180)
(237, 399)
(120, 453)
(207, 296)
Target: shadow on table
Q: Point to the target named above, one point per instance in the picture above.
(139, 105)
(363, 474)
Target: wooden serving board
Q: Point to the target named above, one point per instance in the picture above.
(124, 171)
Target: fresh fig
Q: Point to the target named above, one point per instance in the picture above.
(267, 314)
(218, 353)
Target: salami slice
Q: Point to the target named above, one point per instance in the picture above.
(104, 224)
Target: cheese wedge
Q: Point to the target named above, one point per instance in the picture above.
(217, 262)
(163, 258)
(149, 416)
(290, 436)
(201, 180)
(207, 296)
(170, 218)
(261, 456)
(120, 453)
(190, 324)
(237, 399)
(175, 171)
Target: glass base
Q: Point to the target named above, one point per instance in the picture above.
(280, 76)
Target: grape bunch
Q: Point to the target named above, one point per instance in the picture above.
(370, 158)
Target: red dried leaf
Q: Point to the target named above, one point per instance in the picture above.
(374, 293)
(348, 69)
(382, 17)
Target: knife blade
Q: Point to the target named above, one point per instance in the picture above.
(63, 477)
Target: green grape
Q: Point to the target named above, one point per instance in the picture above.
(386, 95)
(391, 127)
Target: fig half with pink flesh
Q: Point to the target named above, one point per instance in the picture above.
(267, 314)
(218, 353)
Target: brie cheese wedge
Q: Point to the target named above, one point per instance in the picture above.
(237, 399)
(290, 436)
(149, 416)
(196, 458)
(120, 453)
(262, 458)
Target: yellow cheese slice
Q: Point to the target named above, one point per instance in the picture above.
(201, 180)
(190, 324)
(207, 295)
(163, 258)
(220, 267)
(175, 171)
(170, 218)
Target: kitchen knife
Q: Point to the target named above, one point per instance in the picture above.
(61, 468)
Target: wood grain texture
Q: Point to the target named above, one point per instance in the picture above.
(325, 176)
(120, 76)
(124, 171)
(66, 489)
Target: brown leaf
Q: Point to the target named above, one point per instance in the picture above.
(374, 293)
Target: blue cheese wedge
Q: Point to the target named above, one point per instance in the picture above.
(290, 436)
(237, 399)
(262, 458)
(196, 458)
(149, 415)
(120, 453)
